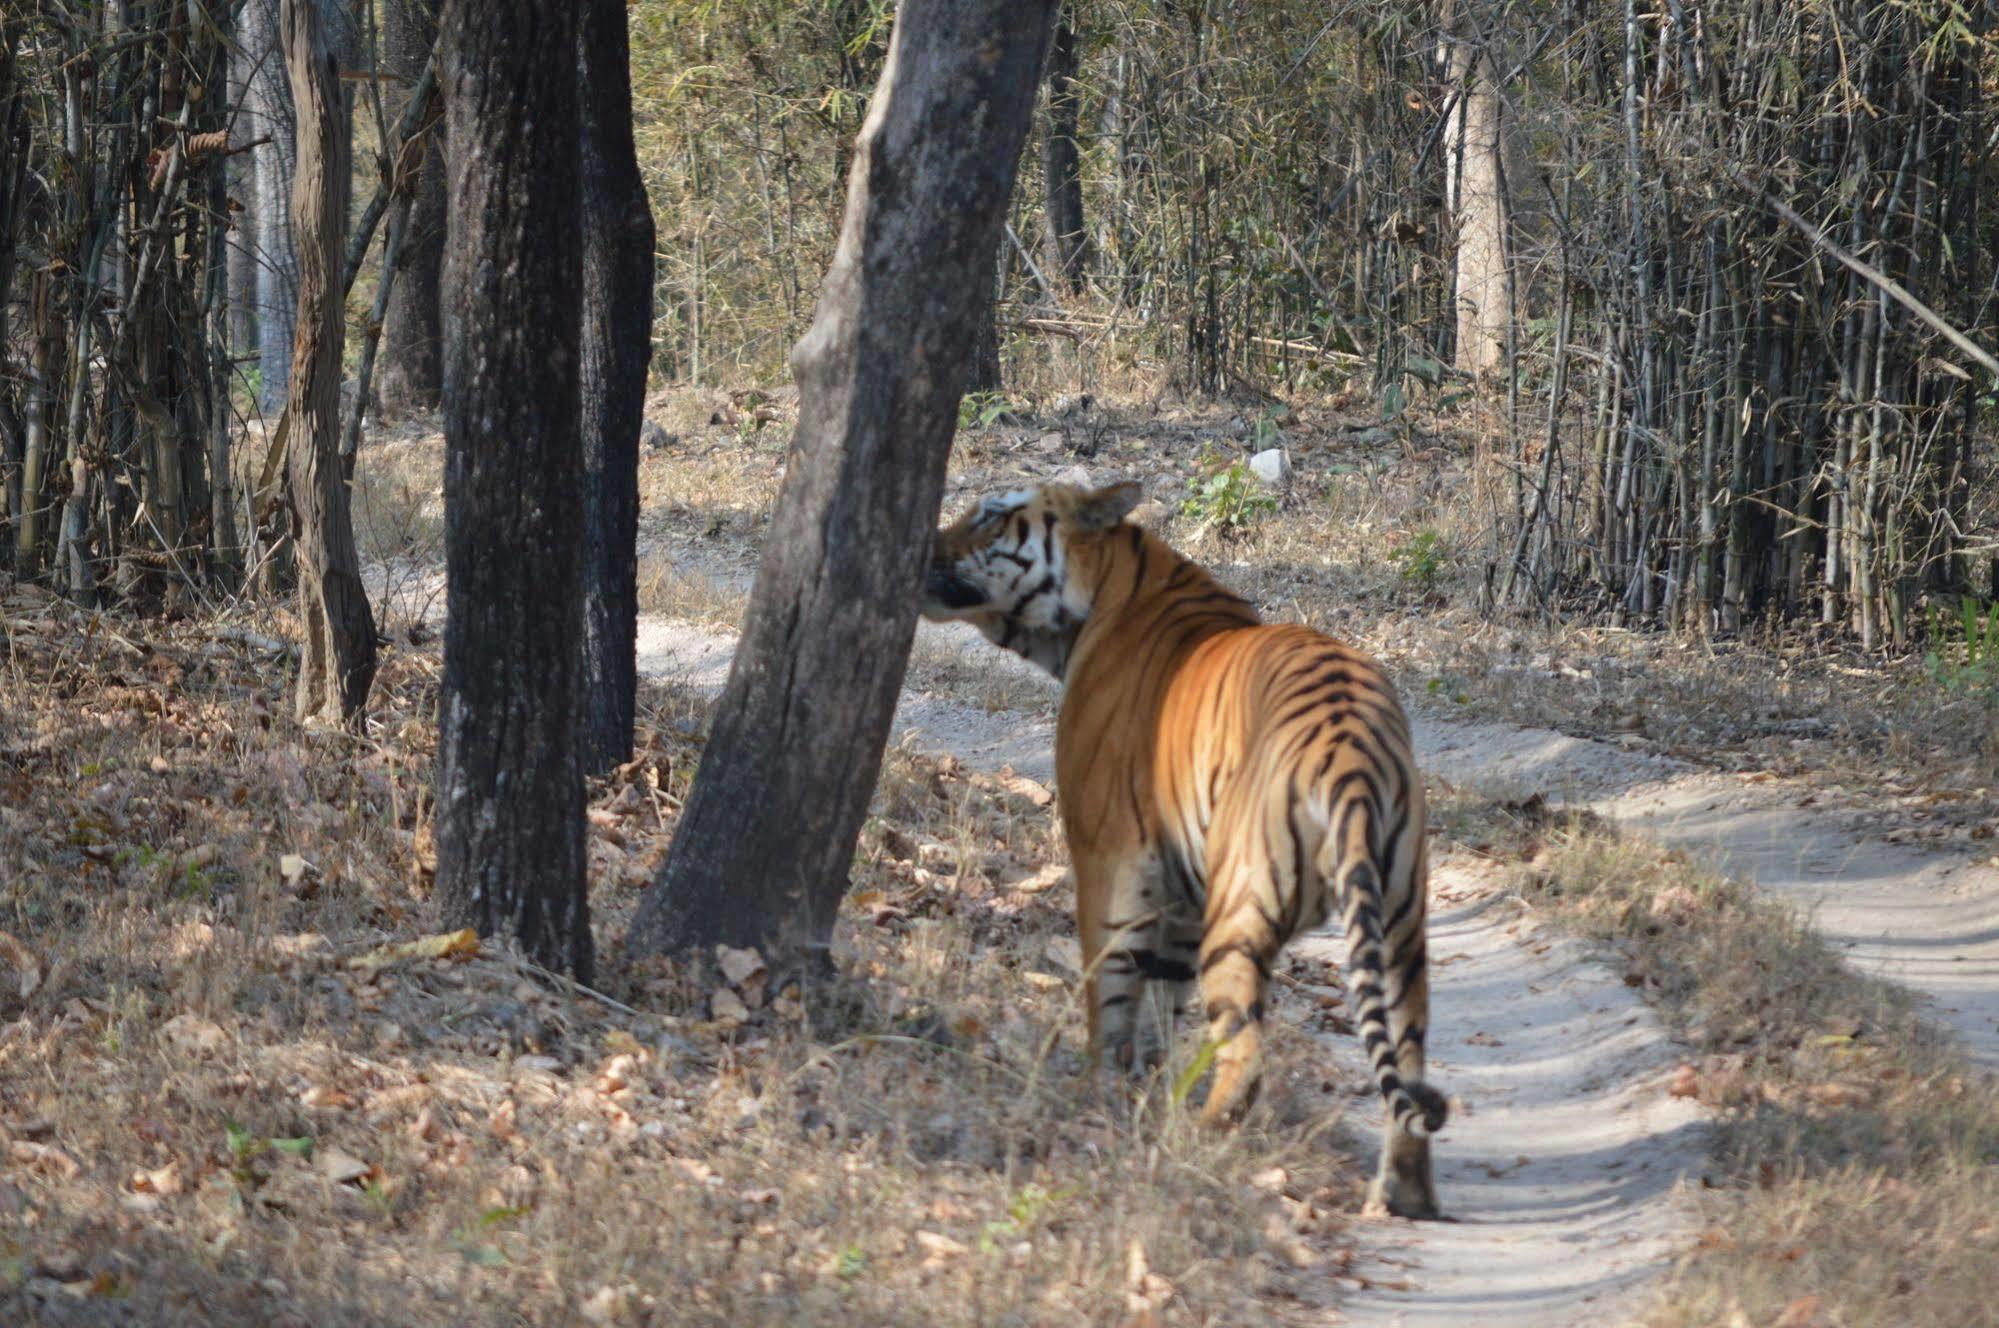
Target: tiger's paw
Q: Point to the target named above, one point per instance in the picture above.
(1402, 1196)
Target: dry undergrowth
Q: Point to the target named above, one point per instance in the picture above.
(225, 1100)
(1856, 1176)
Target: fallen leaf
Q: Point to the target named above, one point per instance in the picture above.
(939, 1246)
(1685, 1083)
(323, 1098)
(728, 1007)
(192, 1033)
(610, 1304)
(341, 1168)
(1045, 879)
(161, 1180)
(44, 1157)
(461, 944)
(24, 962)
(1272, 1180)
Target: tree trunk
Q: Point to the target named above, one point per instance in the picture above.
(1061, 160)
(412, 371)
(243, 229)
(1478, 208)
(762, 852)
(338, 665)
(986, 375)
(510, 852)
(272, 113)
(617, 347)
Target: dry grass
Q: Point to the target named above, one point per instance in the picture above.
(666, 589)
(1857, 1157)
(209, 1114)
(398, 509)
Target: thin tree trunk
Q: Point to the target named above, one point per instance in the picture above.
(762, 852)
(277, 261)
(510, 852)
(412, 372)
(1061, 160)
(1478, 204)
(617, 346)
(338, 664)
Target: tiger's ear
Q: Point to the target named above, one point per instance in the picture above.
(1104, 508)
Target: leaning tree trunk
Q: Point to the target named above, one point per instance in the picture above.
(412, 331)
(762, 852)
(617, 347)
(1479, 211)
(1061, 160)
(338, 666)
(510, 852)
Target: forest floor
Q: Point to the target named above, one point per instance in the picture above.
(239, 1083)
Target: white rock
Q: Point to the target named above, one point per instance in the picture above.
(1075, 475)
(1271, 466)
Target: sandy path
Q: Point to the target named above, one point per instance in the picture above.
(1925, 919)
(1560, 1162)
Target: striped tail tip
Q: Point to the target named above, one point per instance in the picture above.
(1427, 1110)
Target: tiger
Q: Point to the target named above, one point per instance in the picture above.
(1224, 784)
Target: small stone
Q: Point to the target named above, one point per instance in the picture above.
(739, 966)
(1271, 466)
(653, 437)
(1050, 442)
(1074, 475)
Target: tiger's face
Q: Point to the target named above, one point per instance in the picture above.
(1016, 566)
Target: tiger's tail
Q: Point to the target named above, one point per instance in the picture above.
(1349, 862)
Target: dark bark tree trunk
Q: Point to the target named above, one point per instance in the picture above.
(510, 853)
(1061, 160)
(986, 375)
(13, 176)
(412, 372)
(617, 347)
(762, 853)
(338, 665)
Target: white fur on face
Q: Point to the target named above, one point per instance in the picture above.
(1029, 607)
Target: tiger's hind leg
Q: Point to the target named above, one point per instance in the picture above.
(1237, 950)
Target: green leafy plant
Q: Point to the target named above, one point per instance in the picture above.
(1964, 647)
(1421, 557)
(1268, 429)
(980, 410)
(1023, 1212)
(1229, 499)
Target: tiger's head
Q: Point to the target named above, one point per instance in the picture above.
(1019, 566)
